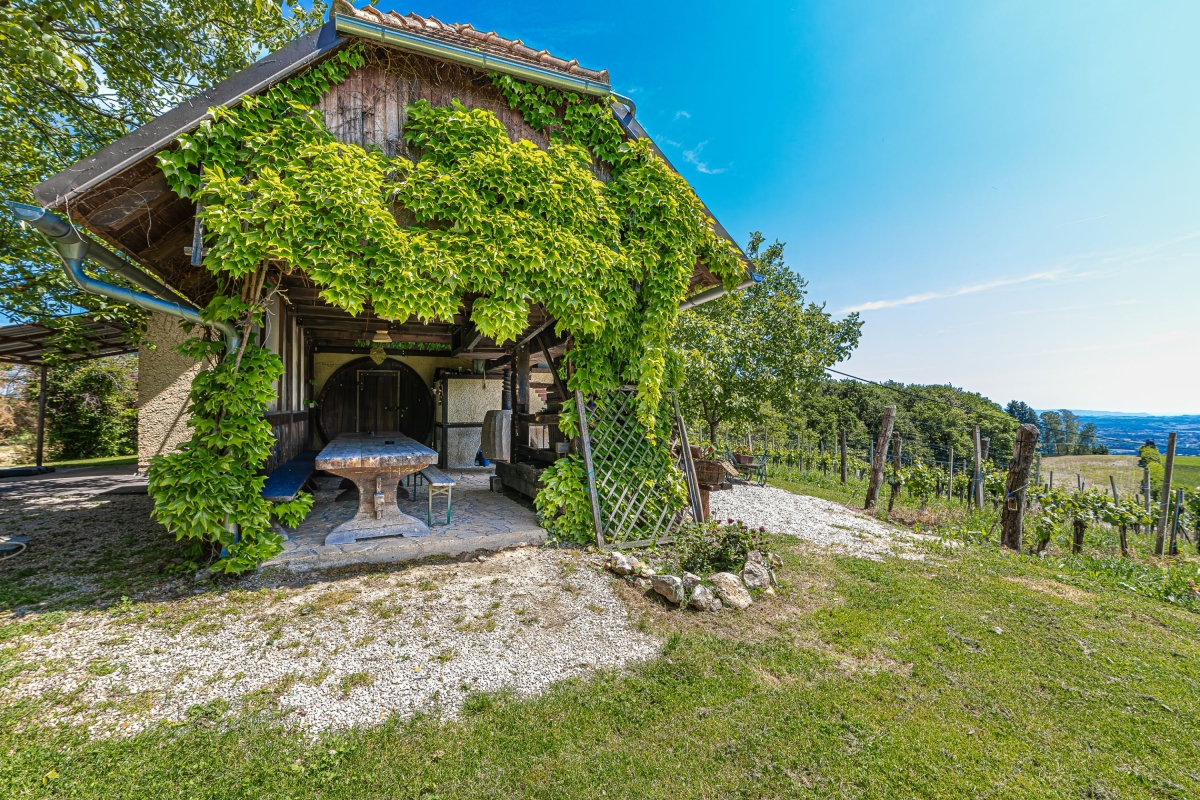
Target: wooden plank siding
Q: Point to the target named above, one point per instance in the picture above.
(291, 432)
(368, 108)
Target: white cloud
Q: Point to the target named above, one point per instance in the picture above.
(682, 114)
(875, 305)
(693, 157)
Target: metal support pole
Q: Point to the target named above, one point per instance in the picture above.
(41, 425)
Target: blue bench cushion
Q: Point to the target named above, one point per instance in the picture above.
(285, 483)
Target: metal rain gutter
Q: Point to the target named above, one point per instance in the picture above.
(474, 58)
(73, 249)
(717, 291)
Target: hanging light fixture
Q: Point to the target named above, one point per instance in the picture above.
(381, 337)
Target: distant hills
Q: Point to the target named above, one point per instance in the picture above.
(1124, 433)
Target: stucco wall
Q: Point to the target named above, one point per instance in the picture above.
(164, 380)
(468, 400)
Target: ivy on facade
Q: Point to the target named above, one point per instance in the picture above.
(504, 221)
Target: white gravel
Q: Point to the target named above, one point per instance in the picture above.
(819, 521)
(336, 653)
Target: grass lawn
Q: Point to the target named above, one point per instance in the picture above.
(972, 673)
(1187, 472)
(107, 461)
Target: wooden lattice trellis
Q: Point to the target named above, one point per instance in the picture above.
(629, 476)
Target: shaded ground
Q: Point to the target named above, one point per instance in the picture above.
(85, 548)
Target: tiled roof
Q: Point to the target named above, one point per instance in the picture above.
(465, 36)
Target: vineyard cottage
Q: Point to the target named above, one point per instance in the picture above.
(391, 224)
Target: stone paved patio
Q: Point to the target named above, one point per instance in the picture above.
(482, 520)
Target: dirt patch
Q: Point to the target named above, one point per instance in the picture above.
(1059, 590)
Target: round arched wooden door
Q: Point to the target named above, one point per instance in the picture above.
(365, 396)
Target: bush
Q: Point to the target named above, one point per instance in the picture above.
(91, 408)
(712, 547)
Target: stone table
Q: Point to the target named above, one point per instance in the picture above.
(375, 462)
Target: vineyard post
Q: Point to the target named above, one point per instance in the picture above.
(842, 444)
(977, 477)
(1012, 518)
(1116, 500)
(987, 442)
(878, 456)
(1174, 548)
(950, 475)
(896, 465)
(1051, 479)
(1079, 482)
(1038, 470)
(1164, 497)
(1146, 484)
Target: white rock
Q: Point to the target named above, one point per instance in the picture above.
(756, 575)
(690, 581)
(704, 600)
(620, 563)
(669, 587)
(731, 590)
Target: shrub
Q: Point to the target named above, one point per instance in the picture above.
(712, 547)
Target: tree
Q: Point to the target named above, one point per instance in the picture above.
(91, 408)
(1021, 412)
(82, 73)
(929, 419)
(762, 347)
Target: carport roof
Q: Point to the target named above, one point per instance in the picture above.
(32, 343)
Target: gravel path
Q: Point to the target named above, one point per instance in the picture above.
(820, 521)
(337, 653)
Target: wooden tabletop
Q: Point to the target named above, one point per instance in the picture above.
(384, 449)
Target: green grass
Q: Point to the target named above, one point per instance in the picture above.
(1186, 472)
(971, 674)
(107, 461)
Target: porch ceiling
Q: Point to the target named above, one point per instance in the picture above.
(329, 326)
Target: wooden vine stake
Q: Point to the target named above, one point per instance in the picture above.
(896, 467)
(1164, 498)
(842, 445)
(977, 480)
(581, 408)
(1116, 501)
(879, 457)
(1012, 518)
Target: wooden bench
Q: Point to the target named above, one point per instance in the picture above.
(439, 484)
(288, 479)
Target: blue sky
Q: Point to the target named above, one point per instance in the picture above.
(1006, 190)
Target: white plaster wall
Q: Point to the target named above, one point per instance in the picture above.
(164, 380)
(471, 398)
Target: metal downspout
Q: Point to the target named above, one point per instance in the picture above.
(717, 291)
(73, 249)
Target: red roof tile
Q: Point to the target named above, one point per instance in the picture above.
(463, 35)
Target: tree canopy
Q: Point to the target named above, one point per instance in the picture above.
(764, 346)
(91, 71)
